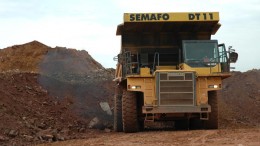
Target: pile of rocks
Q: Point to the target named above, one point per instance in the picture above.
(239, 104)
(51, 94)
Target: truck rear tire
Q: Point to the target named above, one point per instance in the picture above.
(212, 123)
(129, 106)
(118, 121)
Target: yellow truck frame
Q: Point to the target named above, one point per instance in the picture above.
(169, 69)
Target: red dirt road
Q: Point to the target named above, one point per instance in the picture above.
(237, 137)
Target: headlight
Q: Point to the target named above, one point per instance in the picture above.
(134, 87)
(213, 86)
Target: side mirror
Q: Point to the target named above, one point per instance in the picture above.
(116, 58)
(233, 56)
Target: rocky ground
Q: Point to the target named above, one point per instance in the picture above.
(56, 94)
(52, 94)
(30, 115)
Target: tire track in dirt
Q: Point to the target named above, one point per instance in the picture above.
(201, 140)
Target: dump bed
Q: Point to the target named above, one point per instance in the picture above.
(199, 22)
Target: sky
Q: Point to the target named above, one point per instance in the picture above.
(91, 24)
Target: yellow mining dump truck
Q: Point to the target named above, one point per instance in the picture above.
(169, 69)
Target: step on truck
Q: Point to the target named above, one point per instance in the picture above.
(169, 69)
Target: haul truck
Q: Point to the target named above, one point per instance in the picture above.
(169, 69)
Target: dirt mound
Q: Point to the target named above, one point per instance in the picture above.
(240, 101)
(29, 57)
(50, 94)
(24, 57)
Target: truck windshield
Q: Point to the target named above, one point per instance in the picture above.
(200, 53)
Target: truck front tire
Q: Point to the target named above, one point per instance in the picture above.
(129, 109)
(212, 123)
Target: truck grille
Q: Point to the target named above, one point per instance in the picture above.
(175, 88)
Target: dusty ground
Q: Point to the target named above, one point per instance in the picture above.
(236, 137)
(51, 95)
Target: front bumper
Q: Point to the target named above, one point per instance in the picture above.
(176, 109)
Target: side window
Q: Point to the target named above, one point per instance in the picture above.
(222, 53)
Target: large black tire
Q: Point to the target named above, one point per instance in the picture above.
(129, 106)
(118, 121)
(212, 123)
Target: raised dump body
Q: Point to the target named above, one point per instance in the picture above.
(169, 69)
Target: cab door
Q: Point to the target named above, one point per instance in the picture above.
(223, 58)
